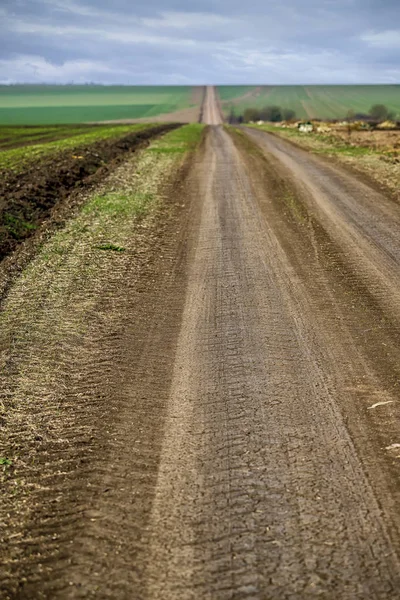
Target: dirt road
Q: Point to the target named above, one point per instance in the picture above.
(260, 491)
(211, 111)
(249, 438)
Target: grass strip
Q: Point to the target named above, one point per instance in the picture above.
(17, 159)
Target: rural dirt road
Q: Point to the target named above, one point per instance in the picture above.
(250, 434)
(211, 112)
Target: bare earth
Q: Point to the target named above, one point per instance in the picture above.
(211, 111)
(247, 401)
(386, 140)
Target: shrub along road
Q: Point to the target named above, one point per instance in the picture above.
(213, 401)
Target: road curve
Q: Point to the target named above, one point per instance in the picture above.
(211, 112)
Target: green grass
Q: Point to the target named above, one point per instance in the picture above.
(231, 92)
(112, 247)
(179, 140)
(16, 226)
(117, 204)
(11, 136)
(46, 104)
(313, 101)
(17, 159)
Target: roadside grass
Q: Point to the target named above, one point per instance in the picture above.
(378, 163)
(180, 140)
(107, 219)
(111, 247)
(117, 204)
(17, 159)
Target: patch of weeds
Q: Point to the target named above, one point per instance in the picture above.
(59, 250)
(17, 226)
(6, 463)
(116, 204)
(295, 207)
(111, 247)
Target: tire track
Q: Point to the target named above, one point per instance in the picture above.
(260, 491)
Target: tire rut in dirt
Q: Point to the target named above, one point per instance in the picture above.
(75, 536)
(355, 315)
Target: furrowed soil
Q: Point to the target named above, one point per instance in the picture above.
(28, 198)
(210, 409)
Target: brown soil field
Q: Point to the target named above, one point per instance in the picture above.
(28, 198)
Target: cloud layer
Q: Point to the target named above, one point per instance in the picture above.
(167, 42)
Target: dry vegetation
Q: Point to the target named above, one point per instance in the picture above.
(374, 153)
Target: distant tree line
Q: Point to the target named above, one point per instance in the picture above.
(273, 113)
(377, 112)
(268, 113)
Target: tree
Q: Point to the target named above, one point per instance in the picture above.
(251, 114)
(350, 115)
(288, 114)
(232, 116)
(271, 113)
(379, 112)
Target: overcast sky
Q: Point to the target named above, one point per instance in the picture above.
(200, 41)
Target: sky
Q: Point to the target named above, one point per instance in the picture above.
(200, 42)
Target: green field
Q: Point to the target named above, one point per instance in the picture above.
(48, 104)
(16, 135)
(312, 101)
(16, 159)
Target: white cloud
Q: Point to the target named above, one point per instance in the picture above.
(36, 69)
(188, 20)
(300, 41)
(389, 39)
(131, 33)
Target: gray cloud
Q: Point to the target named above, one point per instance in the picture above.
(167, 41)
